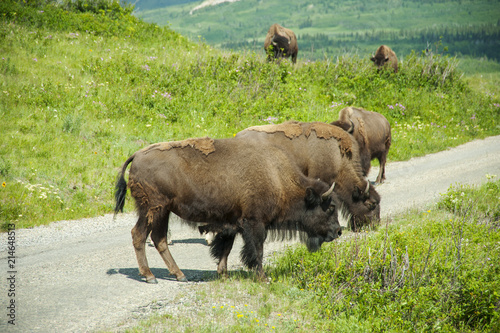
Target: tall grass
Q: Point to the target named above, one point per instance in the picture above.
(81, 90)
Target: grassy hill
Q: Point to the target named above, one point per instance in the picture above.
(84, 84)
(326, 28)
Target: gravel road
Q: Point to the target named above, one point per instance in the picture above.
(81, 276)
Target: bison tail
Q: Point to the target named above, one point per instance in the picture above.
(121, 187)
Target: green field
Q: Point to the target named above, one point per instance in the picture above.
(84, 84)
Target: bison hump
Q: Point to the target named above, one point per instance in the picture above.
(327, 131)
(204, 145)
(291, 129)
(294, 129)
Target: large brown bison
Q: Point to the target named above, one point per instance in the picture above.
(236, 186)
(325, 152)
(385, 57)
(281, 42)
(372, 131)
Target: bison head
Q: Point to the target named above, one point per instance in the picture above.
(380, 60)
(365, 206)
(321, 221)
(385, 56)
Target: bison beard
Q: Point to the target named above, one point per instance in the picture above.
(236, 187)
(313, 244)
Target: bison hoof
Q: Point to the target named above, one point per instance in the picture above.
(152, 280)
(182, 279)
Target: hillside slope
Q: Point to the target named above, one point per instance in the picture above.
(83, 88)
(329, 28)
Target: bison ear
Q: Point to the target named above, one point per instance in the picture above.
(313, 199)
(359, 194)
(356, 194)
(372, 59)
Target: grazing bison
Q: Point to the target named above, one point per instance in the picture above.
(372, 131)
(282, 42)
(234, 185)
(385, 57)
(325, 152)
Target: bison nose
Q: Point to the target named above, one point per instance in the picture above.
(339, 233)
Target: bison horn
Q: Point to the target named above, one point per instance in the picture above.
(327, 193)
(351, 129)
(367, 190)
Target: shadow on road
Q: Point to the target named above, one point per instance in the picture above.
(183, 241)
(193, 275)
(190, 241)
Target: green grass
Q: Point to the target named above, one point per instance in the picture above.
(76, 101)
(481, 74)
(82, 88)
(434, 269)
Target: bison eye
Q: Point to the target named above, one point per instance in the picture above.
(370, 205)
(331, 210)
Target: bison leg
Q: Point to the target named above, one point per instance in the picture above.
(381, 173)
(221, 247)
(139, 235)
(252, 254)
(159, 237)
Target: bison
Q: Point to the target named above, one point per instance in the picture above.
(231, 185)
(281, 42)
(325, 152)
(372, 131)
(385, 57)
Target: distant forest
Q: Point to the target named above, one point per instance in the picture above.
(330, 28)
(475, 41)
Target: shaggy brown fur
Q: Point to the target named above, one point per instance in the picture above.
(233, 184)
(283, 42)
(372, 131)
(385, 57)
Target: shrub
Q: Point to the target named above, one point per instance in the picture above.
(431, 271)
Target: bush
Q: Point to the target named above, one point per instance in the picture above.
(431, 271)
